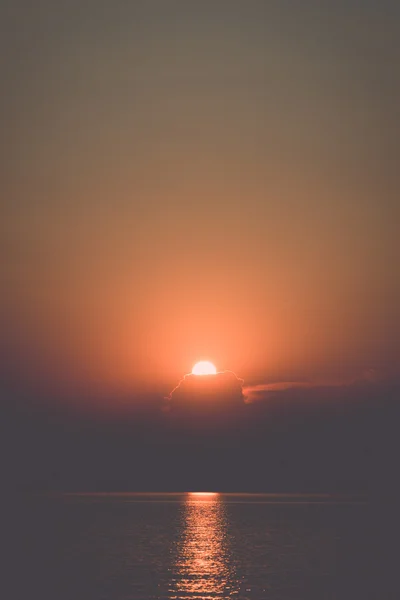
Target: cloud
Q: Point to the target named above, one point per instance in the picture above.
(227, 399)
(202, 392)
(266, 391)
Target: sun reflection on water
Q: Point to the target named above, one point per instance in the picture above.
(203, 567)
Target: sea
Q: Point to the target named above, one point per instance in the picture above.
(192, 546)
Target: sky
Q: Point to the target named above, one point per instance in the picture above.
(197, 180)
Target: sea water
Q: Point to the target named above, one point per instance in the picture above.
(170, 546)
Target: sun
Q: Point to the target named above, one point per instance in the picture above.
(204, 367)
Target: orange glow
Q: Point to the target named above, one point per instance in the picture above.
(204, 367)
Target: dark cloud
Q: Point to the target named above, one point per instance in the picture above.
(203, 393)
(342, 438)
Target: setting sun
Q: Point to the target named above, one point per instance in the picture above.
(204, 367)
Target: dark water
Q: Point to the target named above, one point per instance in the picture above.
(126, 547)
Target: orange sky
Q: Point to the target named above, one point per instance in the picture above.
(205, 183)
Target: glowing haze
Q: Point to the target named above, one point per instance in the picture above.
(194, 179)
